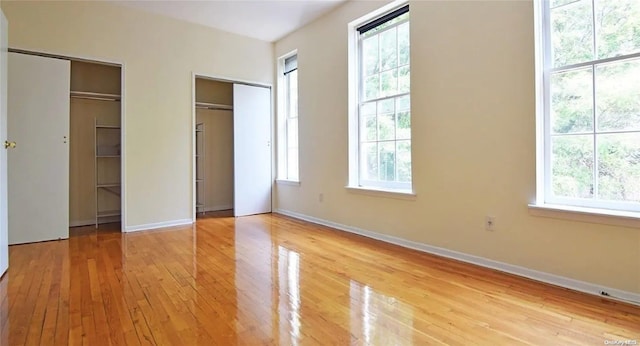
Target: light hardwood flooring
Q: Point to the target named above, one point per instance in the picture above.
(269, 279)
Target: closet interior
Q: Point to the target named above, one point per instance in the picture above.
(95, 144)
(214, 164)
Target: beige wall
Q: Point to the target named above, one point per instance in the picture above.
(473, 126)
(160, 54)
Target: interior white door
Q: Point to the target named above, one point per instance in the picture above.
(4, 235)
(38, 121)
(252, 149)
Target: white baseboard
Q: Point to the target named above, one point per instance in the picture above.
(156, 225)
(577, 285)
(215, 208)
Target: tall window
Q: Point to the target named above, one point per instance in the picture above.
(591, 101)
(288, 143)
(383, 151)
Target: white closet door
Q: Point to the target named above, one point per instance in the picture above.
(38, 121)
(252, 149)
(4, 235)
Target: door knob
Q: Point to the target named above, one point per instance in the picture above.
(8, 145)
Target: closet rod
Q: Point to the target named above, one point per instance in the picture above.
(206, 105)
(94, 96)
(214, 108)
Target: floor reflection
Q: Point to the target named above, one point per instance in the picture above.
(289, 296)
(377, 319)
(253, 280)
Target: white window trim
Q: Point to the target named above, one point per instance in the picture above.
(589, 215)
(282, 124)
(353, 98)
(287, 182)
(563, 208)
(371, 191)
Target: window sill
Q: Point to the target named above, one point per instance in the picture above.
(287, 182)
(591, 215)
(396, 194)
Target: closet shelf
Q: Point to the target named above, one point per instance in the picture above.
(114, 127)
(107, 156)
(95, 96)
(206, 105)
(114, 189)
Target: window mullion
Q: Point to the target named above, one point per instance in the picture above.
(379, 65)
(547, 63)
(596, 187)
(286, 124)
(593, 30)
(360, 96)
(387, 97)
(593, 62)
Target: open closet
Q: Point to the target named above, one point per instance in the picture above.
(232, 147)
(64, 117)
(95, 144)
(214, 145)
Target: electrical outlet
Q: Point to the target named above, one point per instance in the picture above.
(321, 197)
(490, 223)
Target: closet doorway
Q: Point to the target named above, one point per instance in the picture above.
(232, 147)
(213, 146)
(95, 146)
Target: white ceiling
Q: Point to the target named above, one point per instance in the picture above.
(267, 20)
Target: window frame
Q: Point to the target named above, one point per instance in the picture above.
(544, 70)
(284, 123)
(356, 99)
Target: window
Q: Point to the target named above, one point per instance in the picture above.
(589, 66)
(288, 118)
(380, 140)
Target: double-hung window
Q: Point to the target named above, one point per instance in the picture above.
(288, 118)
(589, 70)
(381, 150)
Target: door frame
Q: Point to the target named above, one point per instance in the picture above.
(219, 78)
(123, 176)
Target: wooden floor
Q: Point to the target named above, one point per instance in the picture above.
(269, 279)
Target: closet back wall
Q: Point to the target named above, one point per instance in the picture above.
(159, 56)
(83, 116)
